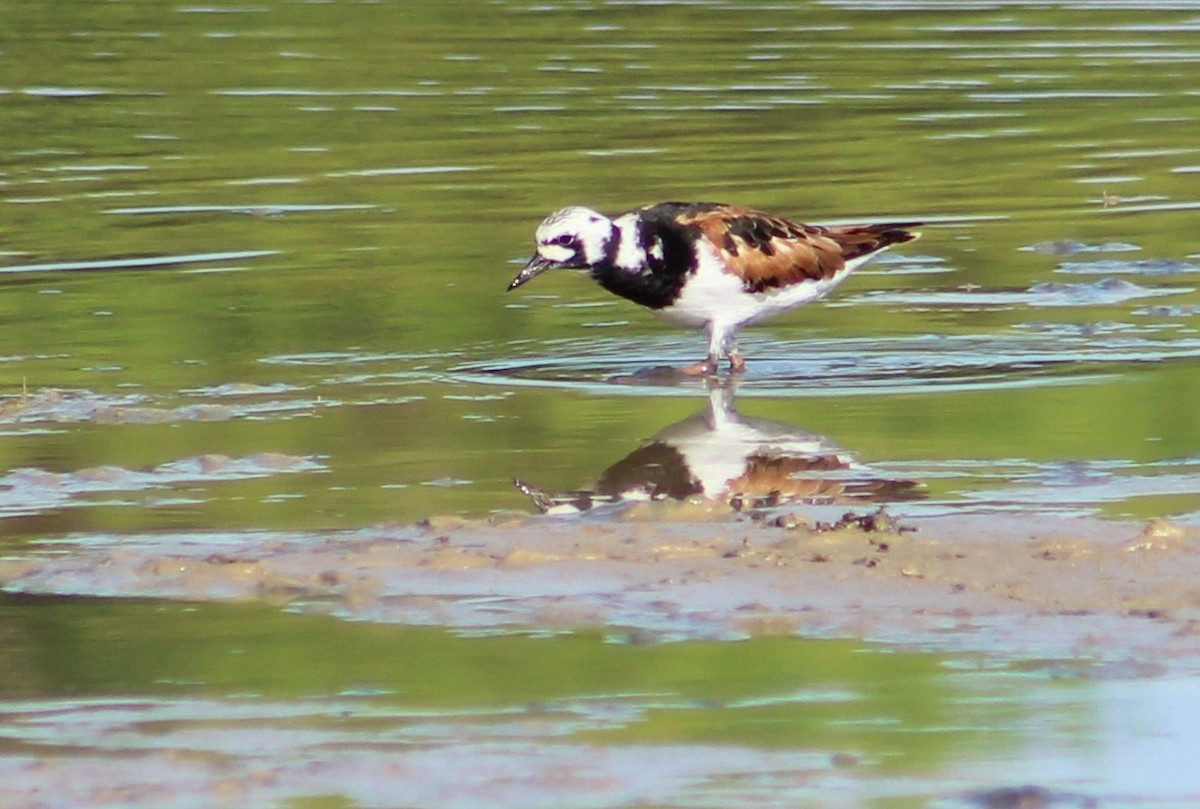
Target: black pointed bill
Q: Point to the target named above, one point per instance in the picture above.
(536, 266)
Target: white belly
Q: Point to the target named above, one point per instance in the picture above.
(715, 296)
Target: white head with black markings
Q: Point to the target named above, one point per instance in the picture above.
(574, 238)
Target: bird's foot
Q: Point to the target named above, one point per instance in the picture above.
(706, 367)
(737, 363)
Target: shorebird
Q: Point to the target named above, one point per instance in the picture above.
(708, 265)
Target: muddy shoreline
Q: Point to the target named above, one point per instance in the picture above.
(1028, 585)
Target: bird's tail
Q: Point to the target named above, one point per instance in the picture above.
(858, 241)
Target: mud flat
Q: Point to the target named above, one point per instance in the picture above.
(1028, 585)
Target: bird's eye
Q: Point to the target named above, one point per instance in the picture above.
(564, 240)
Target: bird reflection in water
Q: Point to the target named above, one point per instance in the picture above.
(719, 455)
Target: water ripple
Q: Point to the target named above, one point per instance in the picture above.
(930, 364)
(137, 263)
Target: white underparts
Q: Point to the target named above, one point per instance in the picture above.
(717, 301)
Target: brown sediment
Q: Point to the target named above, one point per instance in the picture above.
(1025, 584)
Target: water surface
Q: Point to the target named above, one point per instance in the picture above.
(253, 277)
(300, 219)
(265, 708)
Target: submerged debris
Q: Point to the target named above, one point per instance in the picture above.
(877, 522)
(1158, 535)
(1029, 797)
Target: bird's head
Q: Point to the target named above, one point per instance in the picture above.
(571, 239)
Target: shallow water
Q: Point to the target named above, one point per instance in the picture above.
(266, 708)
(290, 226)
(254, 263)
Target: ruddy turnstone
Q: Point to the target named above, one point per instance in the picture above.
(708, 265)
